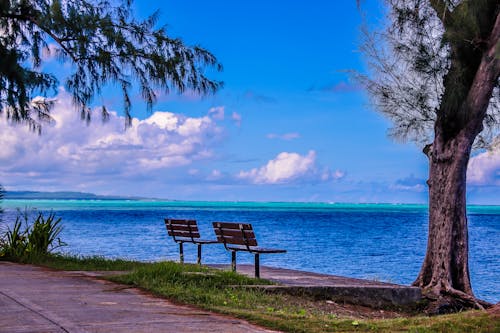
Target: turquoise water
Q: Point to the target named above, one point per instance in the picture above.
(376, 241)
(237, 205)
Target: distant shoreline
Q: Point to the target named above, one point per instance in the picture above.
(9, 200)
(71, 195)
(67, 195)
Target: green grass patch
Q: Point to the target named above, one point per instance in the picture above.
(76, 263)
(228, 293)
(223, 292)
(470, 321)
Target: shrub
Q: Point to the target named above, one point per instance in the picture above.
(26, 240)
(14, 242)
(44, 234)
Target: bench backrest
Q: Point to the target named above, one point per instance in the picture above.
(182, 230)
(235, 234)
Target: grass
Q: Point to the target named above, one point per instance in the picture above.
(74, 263)
(222, 292)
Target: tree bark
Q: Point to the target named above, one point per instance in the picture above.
(445, 270)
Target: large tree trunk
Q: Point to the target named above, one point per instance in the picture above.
(445, 270)
(444, 275)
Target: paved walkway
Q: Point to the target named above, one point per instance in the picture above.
(34, 299)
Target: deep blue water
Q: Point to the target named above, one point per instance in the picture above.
(383, 242)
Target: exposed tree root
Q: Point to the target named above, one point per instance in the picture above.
(451, 301)
(473, 301)
(495, 310)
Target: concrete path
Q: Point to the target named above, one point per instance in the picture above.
(34, 299)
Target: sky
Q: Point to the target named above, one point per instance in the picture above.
(289, 124)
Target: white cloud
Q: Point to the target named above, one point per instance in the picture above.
(69, 151)
(236, 117)
(414, 188)
(215, 175)
(289, 167)
(484, 169)
(410, 183)
(284, 168)
(338, 174)
(193, 172)
(217, 112)
(286, 136)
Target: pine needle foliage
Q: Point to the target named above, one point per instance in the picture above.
(103, 43)
(425, 47)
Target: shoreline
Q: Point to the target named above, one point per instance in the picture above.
(239, 204)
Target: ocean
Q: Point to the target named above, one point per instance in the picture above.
(384, 242)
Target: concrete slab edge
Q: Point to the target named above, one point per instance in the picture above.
(372, 296)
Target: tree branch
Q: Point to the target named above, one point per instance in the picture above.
(486, 78)
(441, 9)
(47, 31)
(54, 37)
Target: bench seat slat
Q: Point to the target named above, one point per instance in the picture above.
(235, 233)
(195, 240)
(186, 234)
(182, 222)
(237, 240)
(255, 249)
(182, 227)
(240, 237)
(231, 225)
(186, 231)
(205, 241)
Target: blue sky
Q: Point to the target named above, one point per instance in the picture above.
(289, 124)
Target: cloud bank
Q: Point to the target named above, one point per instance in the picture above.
(69, 151)
(410, 183)
(484, 169)
(288, 168)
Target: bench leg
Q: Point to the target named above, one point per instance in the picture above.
(199, 255)
(257, 266)
(233, 261)
(181, 253)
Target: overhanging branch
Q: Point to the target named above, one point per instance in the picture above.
(486, 78)
(54, 37)
(441, 9)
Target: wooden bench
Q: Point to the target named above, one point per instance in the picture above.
(240, 237)
(186, 231)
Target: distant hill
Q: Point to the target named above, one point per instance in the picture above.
(64, 195)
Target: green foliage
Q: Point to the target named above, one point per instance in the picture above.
(103, 42)
(423, 62)
(44, 235)
(26, 240)
(14, 243)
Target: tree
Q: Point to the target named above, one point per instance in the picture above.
(435, 73)
(103, 43)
